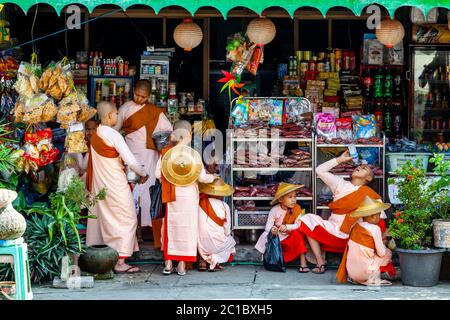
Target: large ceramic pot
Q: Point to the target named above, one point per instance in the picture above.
(98, 259)
(12, 223)
(441, 230)
(420, 268)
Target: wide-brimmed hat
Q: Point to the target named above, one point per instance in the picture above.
(368, 207)
(283, 189)
(216, 188)
(181, 165)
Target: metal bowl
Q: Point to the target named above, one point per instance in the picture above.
(132, 176)
(161, 139)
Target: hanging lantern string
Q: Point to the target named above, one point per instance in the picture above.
(32, 28)
(32, 41)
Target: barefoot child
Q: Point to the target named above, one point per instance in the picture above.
(180, 226)
(215, 241)
(365, 252)
(284, 221)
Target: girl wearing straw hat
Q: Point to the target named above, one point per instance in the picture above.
(284, 221)
(215, 241)
(365, 252)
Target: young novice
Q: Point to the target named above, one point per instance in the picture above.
(180, 226)
(365, 252)
(284, 221)
(215, 241)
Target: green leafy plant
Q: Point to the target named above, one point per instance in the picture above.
(8, 175)
(423, 200)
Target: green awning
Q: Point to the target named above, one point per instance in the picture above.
(258, 6)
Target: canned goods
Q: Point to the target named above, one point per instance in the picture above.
(327, 66)
(321, 55)
(333, 62)
(299, 55)
(304, 67)
(307, 55)
(320, 66)
(112, 88)
(312, 65)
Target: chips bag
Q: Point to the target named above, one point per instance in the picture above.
(364, 126)
(325, 125)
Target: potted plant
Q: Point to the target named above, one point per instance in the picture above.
(412, 227)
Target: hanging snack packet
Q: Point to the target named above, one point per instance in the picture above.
(75, 141)
(364, 126)
(277, 113)
(325, 125)
(28, 79)
(49, 111)
(253, 65)
(33, 108)
(344, 129)
(240, 112)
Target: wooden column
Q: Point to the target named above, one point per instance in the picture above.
(206, 52)
(164, 20)
(330, 33)
(86, 32)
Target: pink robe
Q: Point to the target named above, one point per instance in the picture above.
(182, 217)
(275, 218)
(215, 243)
(340, 188)
(363, 263)
(137, 142)
(116, 220)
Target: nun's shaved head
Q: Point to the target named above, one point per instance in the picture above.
(104, 108)
(182, 130)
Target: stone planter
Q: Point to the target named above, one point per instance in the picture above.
(420, 268)
(441, 230)
(12, 223)
(98, 259)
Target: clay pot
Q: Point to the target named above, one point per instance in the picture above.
(98, 259)
(12, 223)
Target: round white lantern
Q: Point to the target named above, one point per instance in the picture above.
(261, 31)
(390, 32)
(188, 35)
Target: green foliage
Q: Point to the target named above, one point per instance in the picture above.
(8, 177)
(423, 201)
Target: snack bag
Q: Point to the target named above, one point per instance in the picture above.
(67, 171)
(253, 107)
(240, 112)
(49, 111)
(265, 110)
(364, 126)
(256, 59)
(325, 125)
(28, 79)
(75, 141)
(277, 113)
(33, 108)
(56, 81)
(294, 108)
(344, 129)
(39, 148)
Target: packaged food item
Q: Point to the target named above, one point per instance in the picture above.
(240, 112)
(49, 111)
(265, 110)
(353, 153)
(74, 108)
(19, 111)
(38, 149)
(75, 141)
(67, 171)
(253, 106)
(333, 110)
(86, 113)
(27, 79)
(364, 126)
(33, 108)
(344, 129)
(294, 108)
(276, 118)
(56, 81)
(325, 125)
(252, 66)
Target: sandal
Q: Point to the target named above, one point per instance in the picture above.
(381, 283)
(202, 266)
(127, 270)
(304, 269)
(218, 267)
(322, 269)
(168, 269)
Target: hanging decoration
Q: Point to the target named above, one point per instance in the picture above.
(261, 31)
(390, 32)
(188, 35)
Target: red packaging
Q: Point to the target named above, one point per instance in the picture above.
(344, 127)
(252, 66)
(351, 113)
(379, 119)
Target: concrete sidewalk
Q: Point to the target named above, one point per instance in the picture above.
(235, 282)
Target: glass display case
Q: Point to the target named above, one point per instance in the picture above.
(430, 94)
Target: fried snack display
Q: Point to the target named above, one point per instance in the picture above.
(49, 111)
(56, 81)
(75, 141)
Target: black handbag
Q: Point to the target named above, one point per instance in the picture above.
(273, 256)
(157, 208)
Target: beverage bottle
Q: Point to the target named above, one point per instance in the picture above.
(397, 123)
(387, 122)
(397, 86)
(388, 84)
(378, 84)
(353, 153)
(379, 116)
(367, 84)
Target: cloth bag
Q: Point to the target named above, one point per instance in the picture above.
(157, 209)
(273, 256)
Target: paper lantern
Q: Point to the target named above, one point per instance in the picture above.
(188, 35)
(261, 31)
(390, 32)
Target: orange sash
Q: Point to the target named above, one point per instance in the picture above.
(361, 236)
(350, 203)
(290, 218)
(147, 116)
(102, 149)
(209, 210)
(167, 189)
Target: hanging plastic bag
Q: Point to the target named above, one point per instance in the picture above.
(273, 256)
(75, 139)
(157, 209)
(33, 108)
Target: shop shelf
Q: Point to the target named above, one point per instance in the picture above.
(346, 145)
(323, 208)
(435, 130)
(268, 198)
(271, 169)
(347, 176)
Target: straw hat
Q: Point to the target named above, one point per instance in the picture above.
(368, 207)
(181, 165)
(283, 189)
(216, 188)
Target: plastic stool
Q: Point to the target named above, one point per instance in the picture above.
(19, 252)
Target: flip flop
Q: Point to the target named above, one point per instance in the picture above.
(382, 283)
(320, 268)
(302, 269)
(127, 270)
